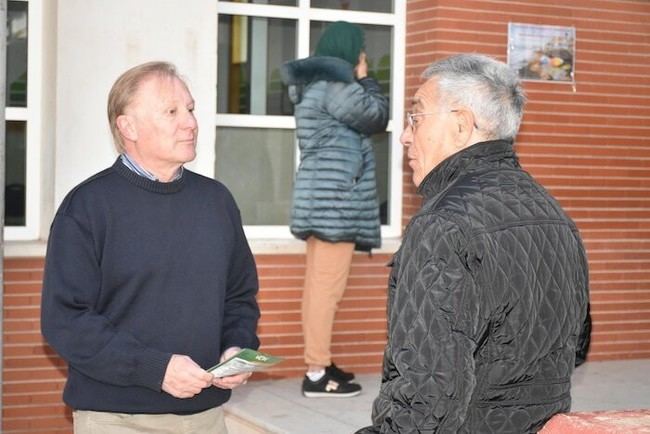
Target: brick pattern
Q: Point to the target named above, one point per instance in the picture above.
(360, 328)
(588, 143)
(34, 375)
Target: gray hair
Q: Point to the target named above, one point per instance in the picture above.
(484, 85)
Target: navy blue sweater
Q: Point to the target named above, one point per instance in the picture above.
(136, 271)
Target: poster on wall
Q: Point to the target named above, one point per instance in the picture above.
(540, 52)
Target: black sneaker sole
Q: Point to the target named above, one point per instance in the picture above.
(330, 394)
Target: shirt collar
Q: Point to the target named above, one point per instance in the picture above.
(135, 167)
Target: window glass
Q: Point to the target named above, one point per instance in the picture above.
(16, 54)
(377, 45)
(15, 173)
(257, 166)
(381, 146)
(355, 5)
(267, 2)
(15, 131)
(250, 53)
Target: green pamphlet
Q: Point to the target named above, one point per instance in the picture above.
(246, 360)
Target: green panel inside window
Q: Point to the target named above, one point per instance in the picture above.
(250, 53)
(257, 166)
(355, 5)
(16, 54)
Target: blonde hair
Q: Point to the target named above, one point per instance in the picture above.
(126, 86)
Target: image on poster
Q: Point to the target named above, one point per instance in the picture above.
(539, 52)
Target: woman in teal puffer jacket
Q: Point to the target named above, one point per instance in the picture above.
(335, 206)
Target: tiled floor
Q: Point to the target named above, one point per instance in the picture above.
(276, 406)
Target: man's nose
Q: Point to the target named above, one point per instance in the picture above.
(190, 121)
(406, 138)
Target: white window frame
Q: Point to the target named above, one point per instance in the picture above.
(31, 115)
(304, 14)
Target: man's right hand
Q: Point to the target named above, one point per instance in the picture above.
(184, 378)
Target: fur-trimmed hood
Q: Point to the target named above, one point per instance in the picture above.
(316, 68)
(298, 73)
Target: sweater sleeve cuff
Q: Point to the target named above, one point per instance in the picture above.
(152, 369)
(240, 339)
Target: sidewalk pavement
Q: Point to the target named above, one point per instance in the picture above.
(277, 406)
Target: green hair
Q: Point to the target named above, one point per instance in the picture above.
(343, 40)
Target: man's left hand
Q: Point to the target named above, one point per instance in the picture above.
(231, 381)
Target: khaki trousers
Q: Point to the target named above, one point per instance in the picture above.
(99, 422)
(326, 276)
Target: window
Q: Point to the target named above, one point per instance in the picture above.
(250, 53)
(258, 166)
(22, 183)
(355, 5)
(256, 149)
(16, 97)
(268, 2)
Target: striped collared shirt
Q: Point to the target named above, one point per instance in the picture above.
(135, 167)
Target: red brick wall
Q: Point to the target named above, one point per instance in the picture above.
(360, 328)
(589, 145)
(34, 376)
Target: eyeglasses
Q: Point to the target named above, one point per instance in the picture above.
(411, 118)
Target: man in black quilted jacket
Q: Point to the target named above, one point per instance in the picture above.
(488, 295)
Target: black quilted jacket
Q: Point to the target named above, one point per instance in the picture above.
(488, 296)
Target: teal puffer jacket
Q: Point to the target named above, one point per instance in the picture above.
(335, 192)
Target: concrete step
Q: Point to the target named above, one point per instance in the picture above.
(277, 406)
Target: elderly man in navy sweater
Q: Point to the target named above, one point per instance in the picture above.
(149, 278)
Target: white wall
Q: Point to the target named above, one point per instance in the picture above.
(100, 39)
(48, 115)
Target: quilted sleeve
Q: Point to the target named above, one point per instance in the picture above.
(435, 323)
(584, 338)
(359, 105)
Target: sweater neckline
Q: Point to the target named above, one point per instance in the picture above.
(148, 184)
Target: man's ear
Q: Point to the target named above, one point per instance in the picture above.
(126, 127)
(464, 123)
